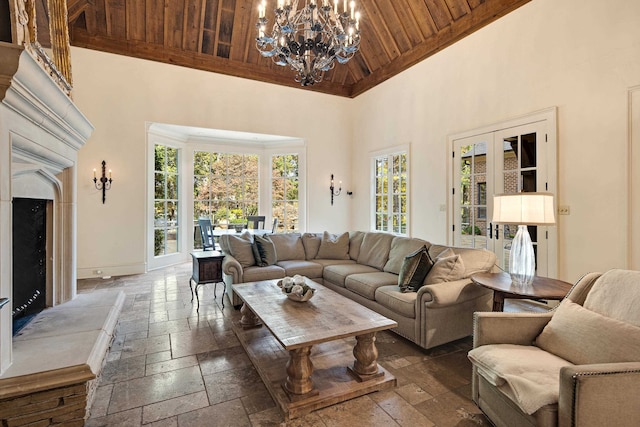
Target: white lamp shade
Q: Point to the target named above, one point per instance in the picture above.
(524, 209)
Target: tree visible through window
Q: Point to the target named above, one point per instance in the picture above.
(284, 191)
(165, 200)
(225, 187)
(391, 179)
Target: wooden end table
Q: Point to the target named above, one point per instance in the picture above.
(542, 288)
(207, 268)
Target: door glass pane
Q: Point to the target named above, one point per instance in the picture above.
(509, 148)
(473, 195)
(528, 144)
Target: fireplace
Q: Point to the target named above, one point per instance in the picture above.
(41, 131)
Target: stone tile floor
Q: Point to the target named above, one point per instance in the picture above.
(172, 366)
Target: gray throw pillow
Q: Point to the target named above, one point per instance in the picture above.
(333, 246)
(266, 251)
(415, 268)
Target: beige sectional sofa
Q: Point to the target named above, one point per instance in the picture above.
(364, 266)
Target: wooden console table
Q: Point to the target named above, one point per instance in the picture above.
(207, 268)
(543, 288)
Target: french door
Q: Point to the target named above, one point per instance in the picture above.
(509, 160)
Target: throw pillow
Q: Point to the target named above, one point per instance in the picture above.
(445, 269)
(583, 336)
(311, 243)
(241, 249)
(266, 251)
(333, 246)
(415, 268)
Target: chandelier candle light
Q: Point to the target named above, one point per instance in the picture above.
(523, 209)
(311, 38)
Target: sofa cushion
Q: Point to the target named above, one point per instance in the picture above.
(530, 374)
(445, 269)
(255, 273)
(375, 248)
(288, 246)
(265, 251)
(240, 247)
(365, 284)
(311, 243)
(401, 247)
(414, 270)
(310, 269)
(475, 260)
(604, 296)
(403, 303)
(337, 273)
(583, 336)
(355, 242)
(333, 246)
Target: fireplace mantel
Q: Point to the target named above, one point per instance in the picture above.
(41, 131)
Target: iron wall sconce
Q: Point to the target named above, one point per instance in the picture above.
(105, 183)
(332, 190)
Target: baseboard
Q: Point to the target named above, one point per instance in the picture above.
(114, 270)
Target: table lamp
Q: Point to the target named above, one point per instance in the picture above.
(523, 209)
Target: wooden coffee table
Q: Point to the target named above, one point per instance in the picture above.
(344, 371)
(542, 288)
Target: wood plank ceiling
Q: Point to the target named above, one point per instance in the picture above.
(219, 35)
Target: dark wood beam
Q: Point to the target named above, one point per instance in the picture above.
(133, 48)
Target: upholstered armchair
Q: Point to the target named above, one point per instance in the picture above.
(578, 365)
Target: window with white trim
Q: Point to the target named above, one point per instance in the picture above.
(284, 191)
(165, 226)
(390, 192)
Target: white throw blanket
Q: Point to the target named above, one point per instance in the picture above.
(530, 374)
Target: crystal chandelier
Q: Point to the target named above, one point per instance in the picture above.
(311, 38)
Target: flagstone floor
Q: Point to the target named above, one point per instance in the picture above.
(172, 366)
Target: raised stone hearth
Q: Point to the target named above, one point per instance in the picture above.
(58, 358)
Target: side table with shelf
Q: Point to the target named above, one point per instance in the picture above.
(207, 268)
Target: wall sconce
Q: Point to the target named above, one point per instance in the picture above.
(105, 183)
(332, 189)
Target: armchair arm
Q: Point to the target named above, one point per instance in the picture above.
(507, 328)
(231, 267)
(448, 293)
(599, 394)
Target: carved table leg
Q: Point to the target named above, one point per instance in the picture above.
(299, 370)
(365, 367)
(249, 319)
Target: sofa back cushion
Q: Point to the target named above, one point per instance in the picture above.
(400, 248)
(375, 248)
(334, 246)
(288, 246)
(582, 336)
(355, 242)
(616, 294)
(474, 260)
(311, 243)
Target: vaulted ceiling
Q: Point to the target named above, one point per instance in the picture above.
(219, 35)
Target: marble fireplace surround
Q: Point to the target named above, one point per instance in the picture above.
(60, 353)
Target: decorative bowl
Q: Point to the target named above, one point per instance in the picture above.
(296, 288)
(304, 298)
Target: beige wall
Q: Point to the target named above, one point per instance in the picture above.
(120, 95)
(581, 56)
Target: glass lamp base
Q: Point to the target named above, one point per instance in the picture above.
(522, 263)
